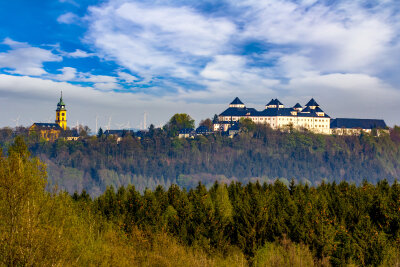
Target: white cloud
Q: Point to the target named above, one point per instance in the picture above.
(99, 79)
(72, 2)
(340, 37)
(156, 40)
(127, 77)
(68, 74)
(106, 86)
(68, 18)
(26, 60)
(348, 95)
(345, 55)
(228, 76)
(14, 44)
(72, 75)
(79, 54)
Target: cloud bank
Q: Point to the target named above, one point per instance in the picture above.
(343, 53)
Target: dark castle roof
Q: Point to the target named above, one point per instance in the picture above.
(274, 102)
(203, 130)
(272, 112)
(187, 131)
(358, 123)
(311, 103)
(237, 101)
(239, 112)
(297, 106)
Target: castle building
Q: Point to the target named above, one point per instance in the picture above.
(311, 117)
(47, 131)
(347, 126)
(51, 131)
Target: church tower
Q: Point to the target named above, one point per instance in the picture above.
(61, 114)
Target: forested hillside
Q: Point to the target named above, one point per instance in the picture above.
(258, 153)
(226, 225)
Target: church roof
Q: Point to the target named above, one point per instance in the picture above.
(47, 126)
(237, 101)
(61, 104)
(357, 123)
(311, 103)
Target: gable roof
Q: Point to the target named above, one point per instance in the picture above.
(237, 101)
(297, 106)
(47, 126)
(239, 112)
(187, 131)
(357, 123)
(274, 102)
(311, 103)
(306, 110)
(203, 129)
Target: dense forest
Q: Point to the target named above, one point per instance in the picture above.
(333, 224)
(257, 153)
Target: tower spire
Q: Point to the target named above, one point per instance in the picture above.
(61, 114)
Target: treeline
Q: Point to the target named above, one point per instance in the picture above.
(227, 225)
(338, 224)
(258, 153)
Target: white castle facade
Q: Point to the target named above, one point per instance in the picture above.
(310, 117)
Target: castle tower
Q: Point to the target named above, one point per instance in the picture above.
(61, 114)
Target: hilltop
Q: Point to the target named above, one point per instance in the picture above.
(258, 153)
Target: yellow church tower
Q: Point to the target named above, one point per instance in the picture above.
(61, 114)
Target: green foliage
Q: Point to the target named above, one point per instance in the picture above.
(100, 133)
(38, 228)
(260, 155)
(207, 122)
(337, 224)
(247, 125)
(226, 225)
(178, 122)
(263, 154)
(283, 253)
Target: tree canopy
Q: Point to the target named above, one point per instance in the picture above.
(178, 122)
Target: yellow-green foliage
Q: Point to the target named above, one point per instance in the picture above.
(392, 258)
(284, 253)
(41, 228)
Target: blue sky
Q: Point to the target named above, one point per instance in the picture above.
(115, 60)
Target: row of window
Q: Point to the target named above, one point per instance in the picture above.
(280, 119)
